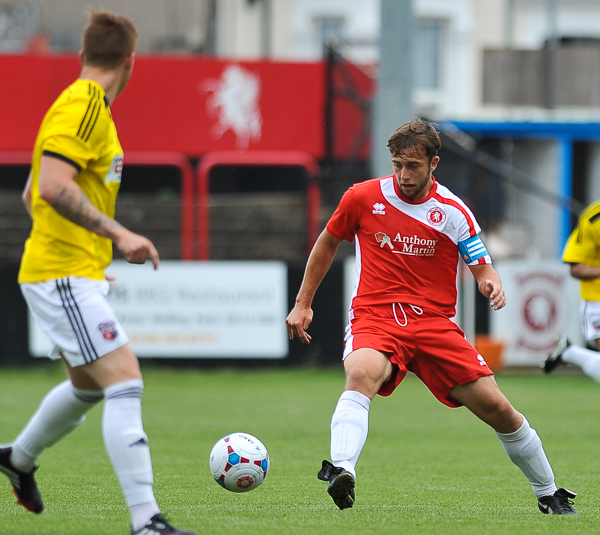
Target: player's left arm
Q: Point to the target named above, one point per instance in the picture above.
(489, 284)
(59, 189)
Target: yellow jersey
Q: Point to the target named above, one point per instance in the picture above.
(79, 129)
(583, 247)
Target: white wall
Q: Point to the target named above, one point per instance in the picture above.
(361, 22)
(532, 23)
(238, 29)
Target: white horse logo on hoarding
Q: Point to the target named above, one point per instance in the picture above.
(234, 102)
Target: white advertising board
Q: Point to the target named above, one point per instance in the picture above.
(197, 309)
(542, 300)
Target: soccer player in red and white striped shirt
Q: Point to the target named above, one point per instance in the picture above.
(409, 232)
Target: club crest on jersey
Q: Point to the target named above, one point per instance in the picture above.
(379, 208)
(109, 330)
(115, 171)
(436, 216)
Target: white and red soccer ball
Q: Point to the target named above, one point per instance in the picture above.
(239, 462)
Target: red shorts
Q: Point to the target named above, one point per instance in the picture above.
(426, 343)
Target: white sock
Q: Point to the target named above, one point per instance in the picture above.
(140, 514)
(586, 359)
(524, 448)
(127, 446)
(61, 411)
(349, 429)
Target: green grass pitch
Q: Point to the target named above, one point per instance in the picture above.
(426, 469)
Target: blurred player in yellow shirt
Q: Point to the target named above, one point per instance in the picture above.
(582, 252)
(71, 193)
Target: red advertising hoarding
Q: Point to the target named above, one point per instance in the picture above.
(186, 104)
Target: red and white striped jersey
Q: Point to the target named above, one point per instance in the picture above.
(407, 252)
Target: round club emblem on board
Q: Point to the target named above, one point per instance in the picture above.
(436, 216)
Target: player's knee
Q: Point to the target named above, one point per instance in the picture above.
(364, 381)
(366, 371)
(502, 409)
(504, 418)
(500, 414)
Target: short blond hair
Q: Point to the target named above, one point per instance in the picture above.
(108, 40)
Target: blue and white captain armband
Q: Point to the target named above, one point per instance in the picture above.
(472, 249)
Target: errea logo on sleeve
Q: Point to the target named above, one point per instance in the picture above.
(379, 208)
(115, 171)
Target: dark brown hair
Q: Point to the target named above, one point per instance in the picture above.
(108, 39)
(415, 135)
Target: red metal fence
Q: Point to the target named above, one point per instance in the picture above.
(195, 224)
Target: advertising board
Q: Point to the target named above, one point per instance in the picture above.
(197, 309)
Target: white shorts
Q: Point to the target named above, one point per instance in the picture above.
(74, 313)
(590, 319)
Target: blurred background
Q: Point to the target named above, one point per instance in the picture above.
(246, 120)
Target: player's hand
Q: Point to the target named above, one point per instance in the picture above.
(298, 321)
(112, 282)
(137, 249)
(495, 293)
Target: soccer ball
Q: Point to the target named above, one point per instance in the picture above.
(239, 462)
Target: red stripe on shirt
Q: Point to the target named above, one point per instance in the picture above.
(457, 205)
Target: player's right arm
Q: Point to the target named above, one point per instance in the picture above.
(584, 272)
(581, 249)
(318, 264)
(58, 188)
